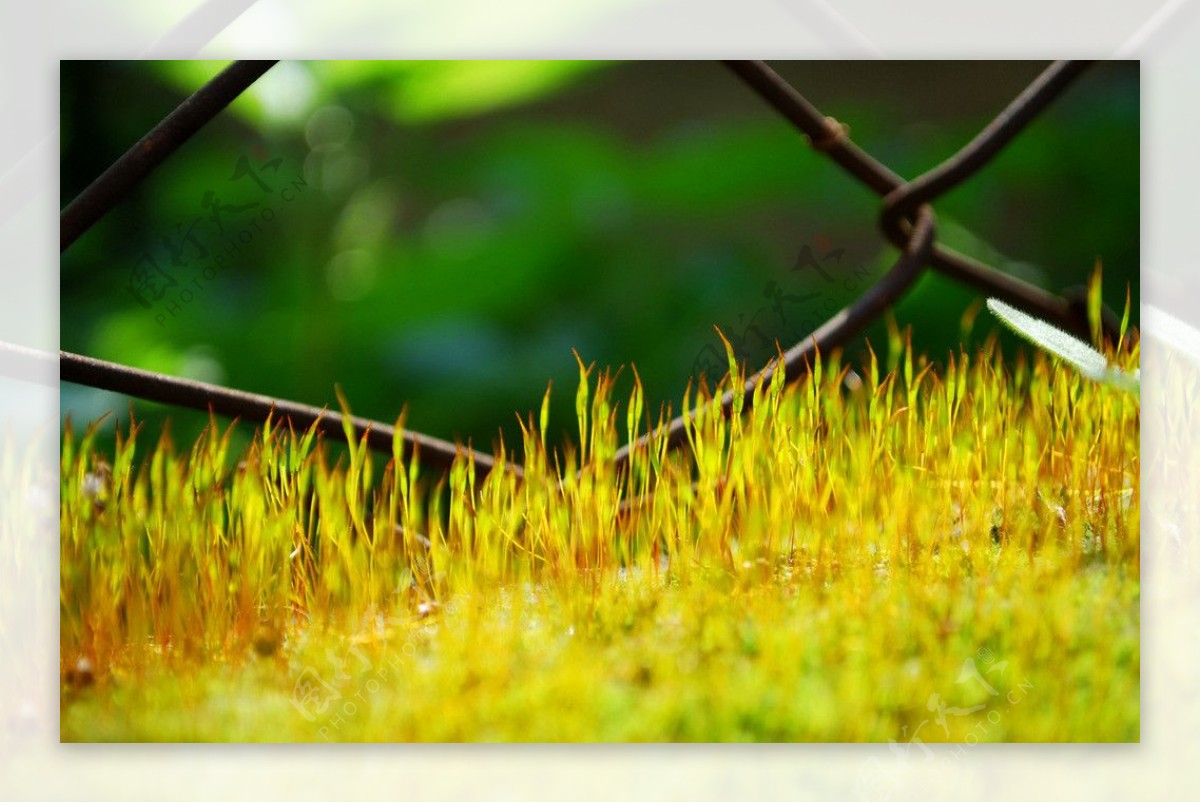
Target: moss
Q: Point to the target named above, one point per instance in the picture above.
(946, 555)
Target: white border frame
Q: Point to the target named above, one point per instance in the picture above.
(1163, 35)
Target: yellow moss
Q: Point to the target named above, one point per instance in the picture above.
(921, 553)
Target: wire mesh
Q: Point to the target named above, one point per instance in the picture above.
(907, 220)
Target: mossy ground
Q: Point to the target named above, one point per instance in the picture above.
(917, 555)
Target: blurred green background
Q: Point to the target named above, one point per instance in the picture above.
(441, 234)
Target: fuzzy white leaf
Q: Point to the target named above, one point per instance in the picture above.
(1090, 362)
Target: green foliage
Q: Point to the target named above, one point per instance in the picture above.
(451, 264)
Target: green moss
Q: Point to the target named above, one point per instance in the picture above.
(947, 555)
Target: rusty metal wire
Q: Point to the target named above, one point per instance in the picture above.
(907, 220)
(833, 333)
(858, 163)
(231, 403)
(111, 187)
(902, 200)
(42, 368)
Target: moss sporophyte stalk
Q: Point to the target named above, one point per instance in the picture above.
(907, 552)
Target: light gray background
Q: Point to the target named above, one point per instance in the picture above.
(34, 36)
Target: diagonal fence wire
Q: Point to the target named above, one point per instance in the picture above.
(830, 137)
(833, 333)
(232, 403)
(31, 365)
(111, 187)
(902, 202)
(907, 220)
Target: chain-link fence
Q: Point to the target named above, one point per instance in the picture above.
(907, 221)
